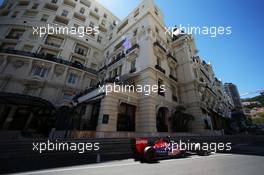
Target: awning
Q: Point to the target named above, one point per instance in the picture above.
(21, 99)
(95, 98)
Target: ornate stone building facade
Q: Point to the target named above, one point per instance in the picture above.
(134, 51)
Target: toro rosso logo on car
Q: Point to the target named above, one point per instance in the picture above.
(162, 147)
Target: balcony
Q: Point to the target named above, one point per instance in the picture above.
(69, 3)
(118, 57)
(79, 17)
(53, 41)
(94, 15)
(62, 20)
(48, 58)
(52, 7)
(54, 45)
(102, 29)
(172, 57)
(160, 69)
(157, 44)
(14, 36)
(133, 70)
(172, 77)
(135, 46)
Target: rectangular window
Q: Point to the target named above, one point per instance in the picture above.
(27, 48)
(105, 119)
(115, 72)
(81, 50)
(72, 78)
(30, 14)
(44, 18)
(135, 33)
(92, 83)
(110, 36)
(160, 90)
(103, 22)
(133, 64)
(120, 70)
(15, 34)
(91, 24)
(158, 61)
(15, 14)
(126, 117)
(23, 3)
(99, 39)
(67, 96)
(35, 6)
(65, 13)
(157, 30)
(39, 71)
(82, 10)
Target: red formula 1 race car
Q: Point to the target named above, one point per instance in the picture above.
(149, 150)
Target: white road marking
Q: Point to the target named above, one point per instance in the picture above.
(107, 165)
(77, 168)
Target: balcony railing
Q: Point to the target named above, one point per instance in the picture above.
(13, 36)
(104, 67)
(160, 69)
(80, 52)
(50, 6)
(49, 58)
(69, 2)
(118, 57)
(52, 44)
(172, 57)
(160, 46)
(136, 46)
(174, 78)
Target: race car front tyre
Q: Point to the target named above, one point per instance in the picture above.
(149, 154)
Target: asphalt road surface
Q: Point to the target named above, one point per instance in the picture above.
(227, 164)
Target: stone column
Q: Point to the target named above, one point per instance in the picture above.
(109, 106)
(146, 119)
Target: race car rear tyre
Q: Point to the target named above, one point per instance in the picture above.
(149, 154)
(203, 153)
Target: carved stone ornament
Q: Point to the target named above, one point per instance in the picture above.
(18, 63)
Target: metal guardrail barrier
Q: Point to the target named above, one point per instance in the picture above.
(18, 155)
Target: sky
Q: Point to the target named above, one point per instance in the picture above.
(235, 58)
